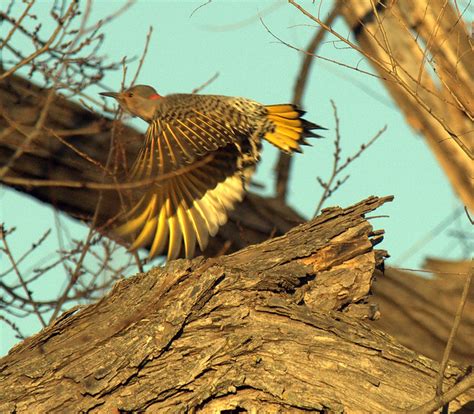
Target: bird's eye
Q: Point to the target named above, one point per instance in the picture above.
(130, 94)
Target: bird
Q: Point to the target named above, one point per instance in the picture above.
(205, 148)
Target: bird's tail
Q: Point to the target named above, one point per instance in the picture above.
(288, 130)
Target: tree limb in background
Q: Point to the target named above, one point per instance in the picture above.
(284, 161)
(454, 331)
(421, 315)
(436, 101)
(419, 311)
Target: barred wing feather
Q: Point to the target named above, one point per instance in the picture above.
(185, 208)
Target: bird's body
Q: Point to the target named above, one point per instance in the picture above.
(210, 144)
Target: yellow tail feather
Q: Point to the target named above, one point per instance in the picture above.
(295, 123)
(283, 109)
(282, 142)
(288, 127)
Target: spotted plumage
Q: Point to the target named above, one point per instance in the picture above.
(210, 144)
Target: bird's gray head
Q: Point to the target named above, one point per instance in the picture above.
(139, 100)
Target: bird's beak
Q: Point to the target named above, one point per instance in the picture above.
(111, 94)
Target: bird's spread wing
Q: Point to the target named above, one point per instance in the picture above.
(188, 136)
(185, 208)
(204, 144)
(191, 204)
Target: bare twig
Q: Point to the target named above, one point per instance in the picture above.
(198, 7)
(408, 269)
(122, 9)
(17, 24)
(34, 246)
(430, 235)
(9, 254)
(314, 55)
(331, 185)
(60, 27)
(13, 326)
(270, 8)
(471, 220)
(144, 54)
(138, 261)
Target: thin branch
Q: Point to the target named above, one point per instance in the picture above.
(45, 47)
(430, 235)
(248, 20)
(9, 254)
(34, 246)
(471, 220)
(409, 269)
(205, 84)
(314, 55)
(13, 326)
(284, 162)
(17, 24)
(198, 7)
(452, 334)
(28, 182)
(331, 185)
(111, 16)
(144, 54)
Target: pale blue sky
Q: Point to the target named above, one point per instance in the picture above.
(227, 37)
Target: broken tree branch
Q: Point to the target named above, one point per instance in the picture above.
(263, 329)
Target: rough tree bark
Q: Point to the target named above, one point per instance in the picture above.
(266, 328)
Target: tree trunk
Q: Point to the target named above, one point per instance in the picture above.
(268, 328)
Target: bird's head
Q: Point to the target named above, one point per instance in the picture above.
(139, 100)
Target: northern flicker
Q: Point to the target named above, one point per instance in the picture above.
(221, 136)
